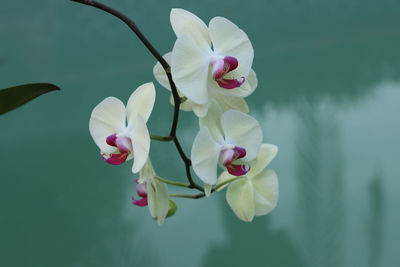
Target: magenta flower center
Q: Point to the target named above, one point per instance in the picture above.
(124, 146)
(141, 190)
(229, 155)
(223, 66)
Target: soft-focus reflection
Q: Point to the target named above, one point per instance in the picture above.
(375, 222)
(328, 96)
(318, 228)
(256, 244)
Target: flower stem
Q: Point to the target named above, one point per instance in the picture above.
(187, 196)
(226, 182)
(167, 68)
(201, 195)
(161, 138)
(130, 24)
(172, 182)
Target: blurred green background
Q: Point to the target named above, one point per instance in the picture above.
(328, 96)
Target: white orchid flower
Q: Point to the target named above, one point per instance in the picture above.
(120, 141)
(255, 193)
(208, 60)
(226, 101)
(230, 139)
(153, 193)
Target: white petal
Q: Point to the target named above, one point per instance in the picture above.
(141, 144)
(242, 130)
(205, 153)
(146, 172)
(226, 177)
(186, 106)
(213, 122)
(184, 22)
(159, 72)
(266, 191)
(231, 102)
(158, 200)
(252, 80)
(141, 102)
(241, 199)
(189, 68)
(246, 89)
(107, 118)
(200, 110)
(229, 40)
(207, 189)
(266, 153)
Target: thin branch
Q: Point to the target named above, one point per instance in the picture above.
(130, 24)
(161, 138)
(188, 163)
(201, 195)
(153, 51)
(187, 196)
(167, 68)
(172, 182)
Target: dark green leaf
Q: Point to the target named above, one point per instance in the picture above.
(13, 97)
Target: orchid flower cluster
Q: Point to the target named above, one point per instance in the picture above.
(210, 74)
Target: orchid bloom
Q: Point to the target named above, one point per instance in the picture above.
(231, 139)
(226, 101)
(120, 141)
(217, 58)
(153, 192)
(256, 192)
(141, 190)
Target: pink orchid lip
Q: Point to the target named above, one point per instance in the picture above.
(141, 202)
(222, 66)
(238, 169)
(110, 140)
(123, 144)
(115, 159)
(141, 190)
(232, 154)
(230, 83)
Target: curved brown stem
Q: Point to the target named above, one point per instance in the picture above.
(177, 100)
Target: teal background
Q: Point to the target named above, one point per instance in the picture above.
(328, 96)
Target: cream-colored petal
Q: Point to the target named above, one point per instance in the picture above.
(187, 105)
(141, 143)
(205, 153)
(141, 102)
(200, 110)
(213, 122)
(228, 102)
(207, 189)
(265, 155)
(242, 130)
(228, 178)
(266, 191)
(229, 40)
(159, 72)
(252, 80)
(246, 89)
(189, 68)
(146, 172)
(240, 197)
(158, 202)
(223, 177)
(107, 118)
(184, 22)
